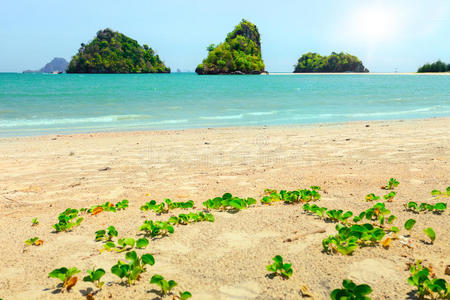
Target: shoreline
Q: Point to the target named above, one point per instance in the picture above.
(149, 131)
(367, 73)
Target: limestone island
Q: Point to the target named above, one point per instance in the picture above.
(114, 52)
(57, 65)
(240, 53)
(334, 63)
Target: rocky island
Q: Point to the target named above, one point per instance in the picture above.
(334, 63)
(57, 65)
(114, 52)
(240, 53)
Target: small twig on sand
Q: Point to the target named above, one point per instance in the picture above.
(321, 230)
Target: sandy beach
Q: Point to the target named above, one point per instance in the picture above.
(43, 175)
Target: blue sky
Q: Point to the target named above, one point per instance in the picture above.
(386, 35)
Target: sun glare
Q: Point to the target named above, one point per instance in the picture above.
(375, 23)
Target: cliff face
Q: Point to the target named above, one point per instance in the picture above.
(239, 54)
(334, 63)
(56, 65)
(114, 52)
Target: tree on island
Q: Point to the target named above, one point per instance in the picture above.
(437, 66)
(114, 52)
(335, 63)
(239, 54)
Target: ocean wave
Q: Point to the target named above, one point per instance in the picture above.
(262, 113)
(62, 121)
(240, 116)
(430, 110)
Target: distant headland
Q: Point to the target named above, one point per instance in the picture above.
(240, 53)
(333, 63)
(114, 52)
(57, 65)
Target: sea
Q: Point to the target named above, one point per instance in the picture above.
(41, 104)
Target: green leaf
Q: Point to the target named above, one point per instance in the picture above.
(348, 284)
(59, 273)
(118, 271)
(142, 243)
(156, 279)
(440, 206)
(391, 219)
(409, 224)
(278, 259)
(430, 233)
(394, 229)
(227, 196)
(362, 290)
(185, 295)
(435, 192)
(131, 256)
(172, 284)
(148, 259)
(98, 274)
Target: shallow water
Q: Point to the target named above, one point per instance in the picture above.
(33, 104)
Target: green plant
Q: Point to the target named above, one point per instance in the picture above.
(94, 276)
(351, 291)
(409, 224)
(166, 206)
(228, 202)
(377, 213)
(372, 197)
(349, 237)
(338, 215)
(157, 228)
(184, 219)
(34, 241)
(133, 267)
(165, 286)
(125, 244)
(173, 205)
(439, 193)
(436, 208)
(34, 222)
(391, 184)
(66, 220)
(430, 233)
(314, 209)
(390, 196)
(301, 195)
(426, 286)
(107, 206)
(184, 295)
(66, 276)
(101, 234)
(280, 268)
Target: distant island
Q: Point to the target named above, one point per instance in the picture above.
(437, 66)
(57, 65)
(239, 54)
(334, 63)
(114, 52)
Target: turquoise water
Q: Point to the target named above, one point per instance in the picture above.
(35, 104)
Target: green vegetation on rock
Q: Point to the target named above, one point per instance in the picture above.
(437, 66)
(239, 54)
(336, 63)
(114, 52)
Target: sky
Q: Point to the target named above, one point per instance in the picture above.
(387, 35)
